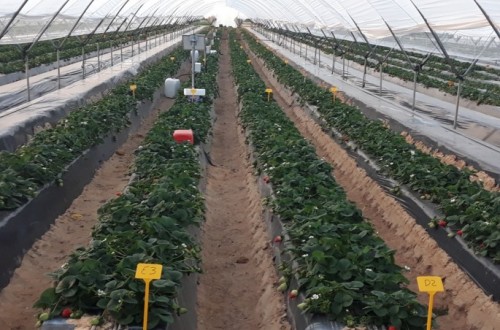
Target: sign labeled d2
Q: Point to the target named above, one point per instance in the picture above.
(430, 284)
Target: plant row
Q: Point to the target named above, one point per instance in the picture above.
(471, 211)
(345, 270)
(149, 223)
(44, 52)
(434, 74)
(42, 160)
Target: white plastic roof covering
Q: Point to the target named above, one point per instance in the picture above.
(459, 17)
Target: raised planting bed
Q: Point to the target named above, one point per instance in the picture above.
(467, 211)
(33, 177)
(155, 220)
(44, 52)
(436, 72)
(342, 269)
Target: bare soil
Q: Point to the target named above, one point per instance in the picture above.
(70, 231)
(467, 306)
(237, 289)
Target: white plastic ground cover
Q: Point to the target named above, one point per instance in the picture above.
(484, 154)
(14, 93)
(471, 123)
(20, 123)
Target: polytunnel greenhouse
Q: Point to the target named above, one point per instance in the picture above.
(274, 165)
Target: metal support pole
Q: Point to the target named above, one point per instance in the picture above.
(111, 47)
(381, 75)
(58, 69)
(414, 90)
(27, 69)
(459, 89)
(98, 58)
(193, 43)
(319, 57)
(333, 60)
(343, 66)
(83, 62)
(364, 74)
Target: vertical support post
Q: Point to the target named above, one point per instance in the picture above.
(111, 47)
(121, 52)
(319, 57)
(381, 75)
(98, 58)
(58, 69)
(364, 73)
(193, 43)
(459, 89)
(83, 62)
(343, 66)
(27, 71)
(414, 89)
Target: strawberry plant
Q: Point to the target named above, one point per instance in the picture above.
(465, 204)
(148, 223)
(344, 268)
(44, 52)
(25, 171)
(480, 85)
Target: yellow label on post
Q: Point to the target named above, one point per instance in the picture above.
(148, 271)
(430, 284)
(193, 91)
(172, 58)
(133, 87)
(333, 89)
(249, 61)
(286, 61)
(269, 90)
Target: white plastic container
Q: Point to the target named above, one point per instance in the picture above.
(196, 55)
(197, 67)
(172, 86)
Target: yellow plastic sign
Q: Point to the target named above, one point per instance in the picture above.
(249, 61)
(269, 91)
(147, 272)
(333, 90)
(133, 88)
(172, 58)
(431, 285)
(286, 62)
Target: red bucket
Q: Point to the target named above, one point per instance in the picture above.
(183, 135)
